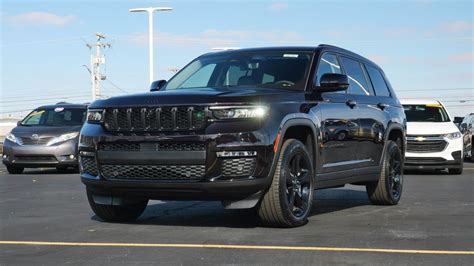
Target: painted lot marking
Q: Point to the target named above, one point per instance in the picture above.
(250, 247)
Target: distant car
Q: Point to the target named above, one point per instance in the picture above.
(46, 137)
(467, 128)
(433, 140)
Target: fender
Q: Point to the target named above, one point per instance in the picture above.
(297, 120)
(391, 126)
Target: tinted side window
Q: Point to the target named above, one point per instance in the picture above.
(357, 82)
(327, 64)
(378, 82)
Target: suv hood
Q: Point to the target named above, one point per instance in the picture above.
(43, 131)
(208, 96)
(431, 128)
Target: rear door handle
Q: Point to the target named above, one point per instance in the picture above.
(382, 106)
(351, 103)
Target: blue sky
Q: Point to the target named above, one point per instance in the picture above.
(425, 47)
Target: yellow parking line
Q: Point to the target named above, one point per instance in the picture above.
(216, 246)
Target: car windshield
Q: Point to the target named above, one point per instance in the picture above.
(426, 113)
(280, 70)
(58, 116)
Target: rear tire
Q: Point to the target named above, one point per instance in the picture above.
(117, 213)
(288, 201)
(388, 189)
(15, 170)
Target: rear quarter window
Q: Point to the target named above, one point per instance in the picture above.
(378, 81)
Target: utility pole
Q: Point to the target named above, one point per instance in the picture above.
(97, 59)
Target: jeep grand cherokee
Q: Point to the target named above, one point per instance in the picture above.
(254, 128)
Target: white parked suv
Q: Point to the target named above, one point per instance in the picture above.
(433, 140)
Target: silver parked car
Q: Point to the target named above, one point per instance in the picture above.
(46, 137)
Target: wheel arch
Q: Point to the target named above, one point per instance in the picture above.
(303, 129)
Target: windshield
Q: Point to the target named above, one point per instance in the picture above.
(58, 116)
(281, 70)
(426, 113)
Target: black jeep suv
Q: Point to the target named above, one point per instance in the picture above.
(254, 128)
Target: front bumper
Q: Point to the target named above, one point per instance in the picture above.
(62, 154)
(141, 167)
(450, 157)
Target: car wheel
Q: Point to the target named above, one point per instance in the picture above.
(288, 201)
(456, 171)
(15, 170)
(117, 213)
(388, 189)
(472, 150)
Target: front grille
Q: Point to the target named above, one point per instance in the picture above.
(238, 167)
(42, 158)
(426, 145)
(415, 160)
(34, 141)
(154, 119)
(88, 165)
(155, 172)
(161, 146)
(119, 146)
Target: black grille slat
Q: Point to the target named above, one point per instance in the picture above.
(43, 158)
(31, 141)
(165, 146)
(155, 172)
(166, 119)
(426, 146)
(154, 119)
(238, 167)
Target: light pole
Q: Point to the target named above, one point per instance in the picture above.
(150, 11)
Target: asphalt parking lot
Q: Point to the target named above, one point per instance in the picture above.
(45, 220)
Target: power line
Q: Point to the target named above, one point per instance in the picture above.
(447, 89)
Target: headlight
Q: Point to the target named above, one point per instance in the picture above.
(239, 112)
(454, 135)
(62, 138)
(11, 137)
(95, 116)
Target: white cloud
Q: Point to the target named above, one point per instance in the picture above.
(462, 58)
(39, 19)
(278, 6)
(458, 26)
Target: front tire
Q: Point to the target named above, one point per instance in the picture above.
(15, 170)
(388, 189)
(457, 171)
(288, 201)
(117, 213)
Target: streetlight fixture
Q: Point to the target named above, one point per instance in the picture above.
(150, 11)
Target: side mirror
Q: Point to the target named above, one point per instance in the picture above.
(333, 82)
(18, 123)
(458, 119)
(157, 85)
(463, 127)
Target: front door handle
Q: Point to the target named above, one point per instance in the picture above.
(351, 103)
(382, 106)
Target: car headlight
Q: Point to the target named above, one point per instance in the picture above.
(63, 138)
(95, 115)
(11, 137)
(454, 135)
(239, 112)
